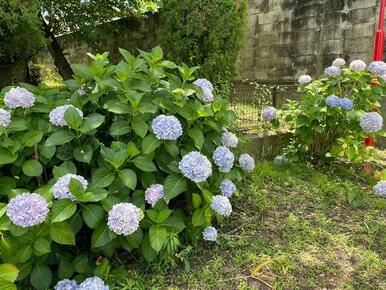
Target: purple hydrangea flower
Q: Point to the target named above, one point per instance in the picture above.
(154, 193)
(333, 101)
(377, 67)
(304, 79)
(221, 205)
(124, 218)
(27, 210)
(207, 89)
(380, 188)
(228, 188)
(93, 283)
(228, 139)
(57, 115)
(346, 104)
(247, 163)
(19, 98)
(210, 234)
(269, 113)
(61, 187)
(280, 159)
(5, 118)
(223, 158)
(371, 122)
(166, 127)
(66, 284)
(332, 71)
(195, 166)
(358, 65)
(339, 62)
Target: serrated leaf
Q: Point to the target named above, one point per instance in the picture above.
(32, 168)
(83, 154)
(62, 234)
(60, 138)
(149, 144)
(61, 210)
(72, 117)
(157, 237)
(8, 272)
(102, 177)
(144, 163)
(140, 127)
(92, 122)
(93, 215)
(173, 186)
(128, 177)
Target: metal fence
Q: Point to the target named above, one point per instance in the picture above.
(249, 98)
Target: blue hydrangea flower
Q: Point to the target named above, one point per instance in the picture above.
(223, 158)
(280, 159)
(207, 89)
(124, 218)
(247, 163)
(61, 187)
(304, 79)
(332, 71)
(371, 122)
(221, 205)
(380, 188)
(19, 98)
(333, 101)
(228, 139)
(57, 115)
(346, 104)
(93, 283)
(358, 65)
(154, 193)
(377, 67)
(66, 284)
(5, 118)
(166, 127)
(269, 113)
(339, 62)
(210, 234)
(27, 210)
(228, 188)
(195, 166)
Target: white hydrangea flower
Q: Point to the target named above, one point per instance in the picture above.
(124, 218)
(228, 139)
(57, 115)
(5, 118)
(19, 98)
(221, 205)
(339, 62)
(61, 187)
(210, 234)
(247, 163)
(304, 79)
(371, 122)
(358, 65)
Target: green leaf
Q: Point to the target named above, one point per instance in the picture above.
(159, 216)
(119, 128)
(32, 168)
(3, 209)
(144, 163)
(101, 236)
(96, 195)
(128, 177)
(117, 107)
(198, 217)
(132, 241)
(157, 237)
(61, 210)
(31, 138)
(92, 122)
(18, 125)
(47, 151)
(93, 215)
(8, 272)
(42, 246)
(150, 143)
(5, 285)
(41, 277)
(173, 186)
(76, 187)
(197, 137)
(147, 251)
(140, 127)
(102, 177)
(60, 138)
(172, 148)
(196, 199)
(83, 154)
(63, 169)
(62, 234)
(23, 253)
(175, 224)
(6, 157)
(73, 118)
(132, 149)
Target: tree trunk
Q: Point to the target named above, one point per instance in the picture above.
(56, 51)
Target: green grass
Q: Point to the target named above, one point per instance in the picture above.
(291, 228)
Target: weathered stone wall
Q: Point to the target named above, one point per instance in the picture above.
(287, 38)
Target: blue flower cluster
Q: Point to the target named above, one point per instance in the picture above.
(57, 115)
(339, 62)
(228, 139)
(228, 188)
(27, 210)
(371, 122)
(19, 98)
(195, 166)
(246, 162)
(93, 283)
(332, 71)
(207, 89)
(221, 205)
(5, 118)
(66, 284)
(210, 234)
(380, 188)
(223, 158)
(154, 193)
(61, 187)
(377, 68)
(124, 218)
(304, 79)
(344, 103)
(166, 127)
(358, 65)
(269, 113)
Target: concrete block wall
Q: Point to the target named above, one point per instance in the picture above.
(287, 38)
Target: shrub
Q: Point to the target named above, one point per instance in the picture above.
(205, 33)
(335, 113)
(121, 159)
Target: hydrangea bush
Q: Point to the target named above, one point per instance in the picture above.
(129, 157)
(335, 114)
